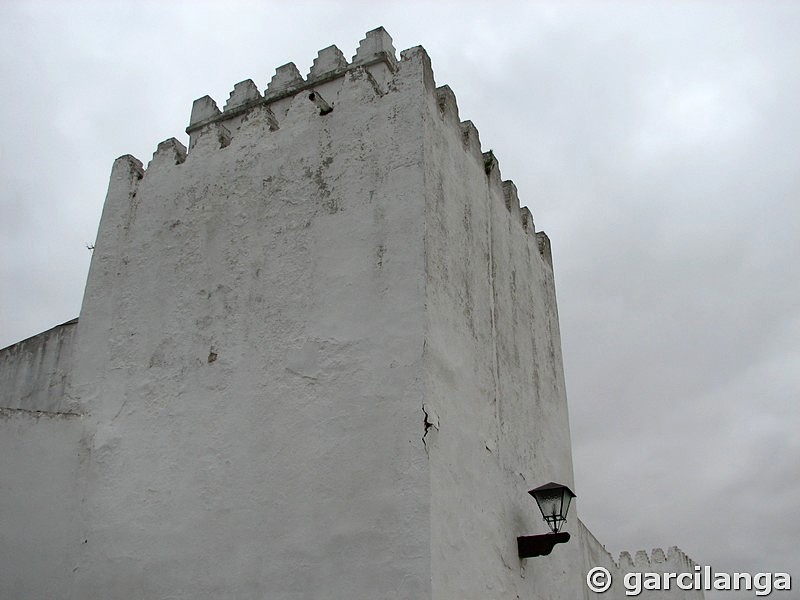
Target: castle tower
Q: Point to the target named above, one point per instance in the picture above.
(318, 357)
(319, 353)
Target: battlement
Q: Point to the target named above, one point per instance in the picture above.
(375, 68)
(674, 560)
(375, 48)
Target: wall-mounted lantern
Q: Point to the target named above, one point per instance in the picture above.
(553, 500)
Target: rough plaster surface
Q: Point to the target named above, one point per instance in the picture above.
(251, 350)
(34, 372)
(494, 377)
(595, 555)
(318, 357)
(42, 457)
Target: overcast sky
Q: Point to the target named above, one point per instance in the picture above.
(657, 144)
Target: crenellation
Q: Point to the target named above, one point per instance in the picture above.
(447, 101)
(121, 201)
(447, 104)
(492, 168)
(641, 560)
(330, 62)
(674, 558)
(418, 54)
(377, 54)
(489, 162)
(377, 45)
(287, 80)
(374, 60)
(203, 109)
(170, 152)
(625, 561)
(471, 139)
(677, 557)
(511, 194)
(512, 204)
(526, 218)
(545, 251)
(128, 167)
(244, 93)
(370, 74)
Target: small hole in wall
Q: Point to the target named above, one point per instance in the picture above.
(324, 107)
(212, 356)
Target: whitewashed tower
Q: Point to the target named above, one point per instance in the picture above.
(319, 354)
(318, 358)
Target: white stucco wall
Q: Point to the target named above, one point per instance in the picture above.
(42, 456)
(34, 372)
(596, 555)
(250, 365)
(494, 377)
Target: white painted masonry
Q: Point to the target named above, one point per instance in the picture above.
(34, 372)
(318, 358)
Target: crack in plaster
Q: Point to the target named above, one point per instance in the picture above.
(429, 421)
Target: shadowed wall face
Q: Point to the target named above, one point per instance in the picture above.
(495, 390)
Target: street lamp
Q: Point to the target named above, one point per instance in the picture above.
(553, 500)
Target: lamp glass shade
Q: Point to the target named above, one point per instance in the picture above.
(553, 500)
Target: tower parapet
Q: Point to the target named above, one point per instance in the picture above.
(244, 93)
(330, 63)
(674, 560)
(375, 48)
(375, 59)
